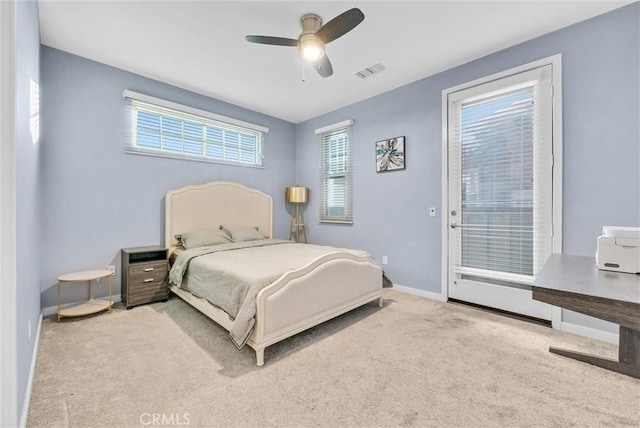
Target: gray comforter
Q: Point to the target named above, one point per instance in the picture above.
(230, 275)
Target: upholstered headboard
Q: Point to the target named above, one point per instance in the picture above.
(209, 205)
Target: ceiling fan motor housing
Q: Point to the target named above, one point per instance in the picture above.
(310, 23)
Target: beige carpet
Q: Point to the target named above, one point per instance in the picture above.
(414, 362)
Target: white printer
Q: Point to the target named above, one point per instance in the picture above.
(619, 249)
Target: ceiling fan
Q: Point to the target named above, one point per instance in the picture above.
(315, 36)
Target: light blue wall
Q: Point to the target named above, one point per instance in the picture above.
(28, 177)
(98, 199)
(391, 210)
(601, 74)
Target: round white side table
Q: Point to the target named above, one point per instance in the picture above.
(92, 305)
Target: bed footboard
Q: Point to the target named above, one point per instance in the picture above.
(329, 286)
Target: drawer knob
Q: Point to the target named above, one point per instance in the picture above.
(148, 269)
(148, 280)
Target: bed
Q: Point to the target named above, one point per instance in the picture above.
(326, 284)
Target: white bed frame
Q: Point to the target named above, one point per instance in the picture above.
(325, 288)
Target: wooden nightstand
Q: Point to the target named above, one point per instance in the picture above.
(145, 272)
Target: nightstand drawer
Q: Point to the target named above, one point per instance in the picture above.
(149, 293)
(150, 269)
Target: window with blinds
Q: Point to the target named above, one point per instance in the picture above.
(168, 129)
(336, 195)
(497, 183)
(503, 155)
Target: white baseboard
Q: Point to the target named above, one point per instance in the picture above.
(589, 332)
(52, 310)
(32, 372)
(417, 292)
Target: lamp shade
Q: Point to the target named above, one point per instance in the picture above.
(297, 195)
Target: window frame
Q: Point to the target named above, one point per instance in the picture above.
(340, 128)
(206, 120)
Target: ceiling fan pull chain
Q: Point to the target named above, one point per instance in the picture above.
(304, 79)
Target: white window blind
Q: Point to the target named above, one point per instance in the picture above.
(503, 154)
(336, 173)
(164, 128)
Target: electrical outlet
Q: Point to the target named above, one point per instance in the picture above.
(29, 331)
(112, 268)
(432, 212)
(385, 260)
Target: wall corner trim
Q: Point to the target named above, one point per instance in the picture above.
(8, 266)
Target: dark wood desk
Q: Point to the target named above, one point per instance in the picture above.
(575, 283)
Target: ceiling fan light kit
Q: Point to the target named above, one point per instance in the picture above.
(311, 50)
(314, 36)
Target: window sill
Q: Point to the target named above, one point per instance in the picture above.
(345, 222)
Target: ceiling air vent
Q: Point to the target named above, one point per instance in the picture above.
(371, 70)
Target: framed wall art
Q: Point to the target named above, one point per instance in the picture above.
(390, 154)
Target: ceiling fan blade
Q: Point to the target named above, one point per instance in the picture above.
(268, 40)
(340, 25)
(323, 66)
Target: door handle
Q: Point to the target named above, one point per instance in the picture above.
(453, 225)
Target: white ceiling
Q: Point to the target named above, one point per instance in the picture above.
(200, 45)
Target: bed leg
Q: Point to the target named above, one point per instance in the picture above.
(259, 357)
(380, 301)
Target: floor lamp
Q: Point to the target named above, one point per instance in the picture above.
(297, 196)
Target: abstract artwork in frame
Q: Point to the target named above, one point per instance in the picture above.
(390, 154)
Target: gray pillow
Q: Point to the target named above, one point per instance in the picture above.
(202, 238)
(243, 234)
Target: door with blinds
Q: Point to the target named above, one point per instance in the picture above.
(500, 190)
